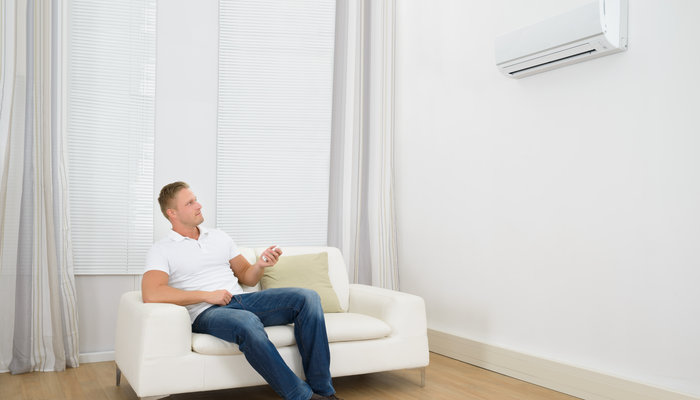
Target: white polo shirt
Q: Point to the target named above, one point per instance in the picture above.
(201, 264)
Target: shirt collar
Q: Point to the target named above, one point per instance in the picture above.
(176, 237)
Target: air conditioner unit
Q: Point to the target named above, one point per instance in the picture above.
(590, 31)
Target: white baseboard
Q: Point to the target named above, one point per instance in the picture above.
(100, 356)
(563, 378)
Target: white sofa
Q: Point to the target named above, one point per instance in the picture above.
(158, 354)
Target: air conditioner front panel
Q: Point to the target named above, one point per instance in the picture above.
(593, 30)
(571, 27)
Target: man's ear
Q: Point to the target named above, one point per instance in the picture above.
(170, 212)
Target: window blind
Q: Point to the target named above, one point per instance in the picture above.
(110, 127)
(274, 120)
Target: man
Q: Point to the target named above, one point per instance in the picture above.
(201, 269)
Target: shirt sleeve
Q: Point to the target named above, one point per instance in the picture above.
(156, 260)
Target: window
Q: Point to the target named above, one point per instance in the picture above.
(274, 120)
(110, 90)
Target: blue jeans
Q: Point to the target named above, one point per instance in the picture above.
(242, 322)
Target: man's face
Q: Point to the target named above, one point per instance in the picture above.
(187, 209)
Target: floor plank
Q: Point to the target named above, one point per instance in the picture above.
(446, 379)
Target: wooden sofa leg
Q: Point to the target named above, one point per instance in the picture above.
(119, 376)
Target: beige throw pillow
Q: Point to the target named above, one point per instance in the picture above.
(308, 271)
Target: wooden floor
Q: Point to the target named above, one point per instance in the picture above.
(446, 379)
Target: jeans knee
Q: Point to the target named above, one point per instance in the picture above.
(311, 299)
(306, 296)
(250, 328)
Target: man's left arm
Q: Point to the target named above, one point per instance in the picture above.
(250, 274)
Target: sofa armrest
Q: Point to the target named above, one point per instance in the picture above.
(150, 330)
(404, 312)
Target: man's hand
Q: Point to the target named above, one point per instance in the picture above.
(218, 297)
(269, 256)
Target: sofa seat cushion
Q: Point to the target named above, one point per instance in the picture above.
(280, 336)
(347, 327)
(341, 327)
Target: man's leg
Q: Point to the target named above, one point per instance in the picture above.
(302, 307)
(243, 327)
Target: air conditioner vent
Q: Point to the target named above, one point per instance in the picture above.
(584, 53)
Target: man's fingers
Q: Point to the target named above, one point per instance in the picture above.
(226, 297)
(274, 252)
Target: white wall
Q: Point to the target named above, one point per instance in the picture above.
(185, 145)
(187, 79)
(557, 215)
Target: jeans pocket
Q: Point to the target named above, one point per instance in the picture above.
(239, 300)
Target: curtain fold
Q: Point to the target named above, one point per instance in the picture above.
(362, 221)
(38, 318)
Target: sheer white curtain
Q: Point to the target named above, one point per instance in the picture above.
(362, 220)
(38, 320)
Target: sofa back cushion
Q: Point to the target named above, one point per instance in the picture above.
(309, 271)
(337, 273)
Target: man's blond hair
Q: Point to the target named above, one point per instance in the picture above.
(167, 195)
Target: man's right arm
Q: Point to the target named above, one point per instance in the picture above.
(155, 289)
